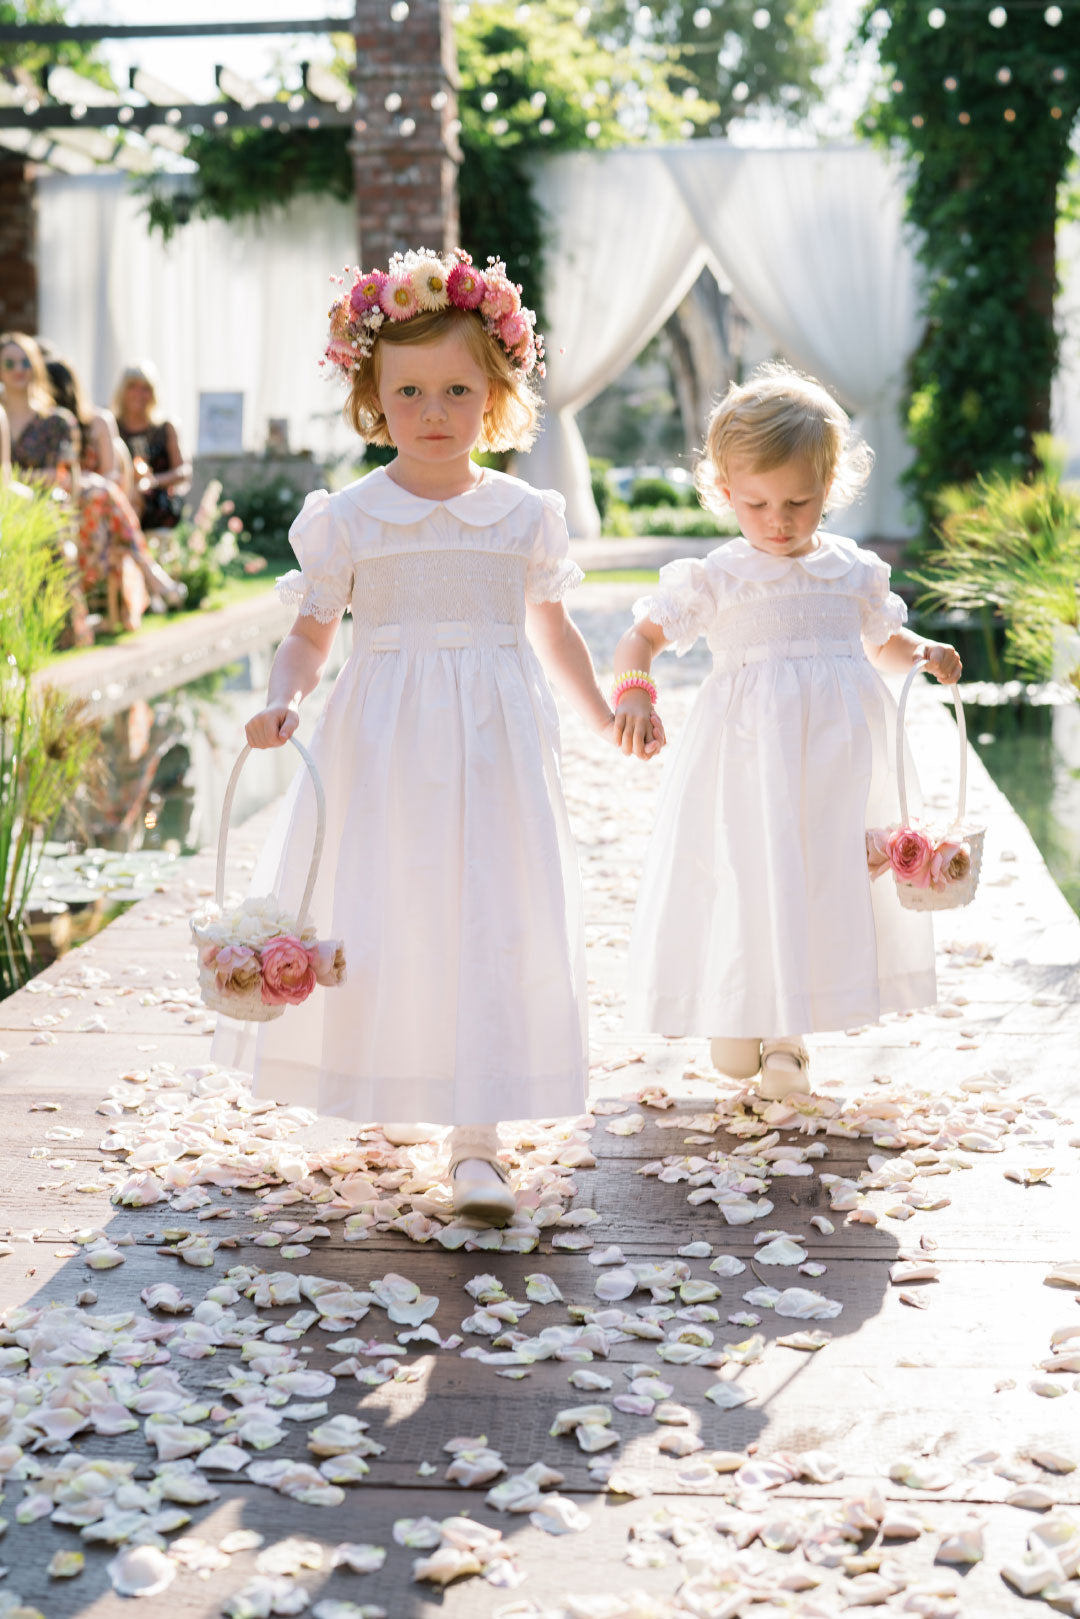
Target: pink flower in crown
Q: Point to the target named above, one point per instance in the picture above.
(500, 298)
(340, 353)
(877, 850)
(366, 292)
(397, 298)
(514, 329)
(287, 974)
(526, 354)
(910, 854)
(465, 287)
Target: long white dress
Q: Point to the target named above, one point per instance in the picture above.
(756, 915)
(449, 869)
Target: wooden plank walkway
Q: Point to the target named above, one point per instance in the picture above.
(945, 1378)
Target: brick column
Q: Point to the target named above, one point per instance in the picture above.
(405, 148)
(18, 247)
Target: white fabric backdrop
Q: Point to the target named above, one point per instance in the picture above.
(816, 248)
(623, 251)
(229, 308)
(812, 243)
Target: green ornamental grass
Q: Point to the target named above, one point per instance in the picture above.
(49, 744)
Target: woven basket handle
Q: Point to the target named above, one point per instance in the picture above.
(961, 729)
(320, 827)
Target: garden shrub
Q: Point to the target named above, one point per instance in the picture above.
(266, 510)
(654, 492)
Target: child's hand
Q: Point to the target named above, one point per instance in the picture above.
(637, 729)
(272, 727)
(942, 661)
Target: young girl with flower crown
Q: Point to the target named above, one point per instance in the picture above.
(449, 873)
(756, 920)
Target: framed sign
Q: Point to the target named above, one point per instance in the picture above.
(221, 423)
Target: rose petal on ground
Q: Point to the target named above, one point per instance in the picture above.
(141, 1571)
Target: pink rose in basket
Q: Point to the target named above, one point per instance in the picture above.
(951, 864)
(236, 968)
(877, 850)
(288, 977)
(327, 958)
(910, 854)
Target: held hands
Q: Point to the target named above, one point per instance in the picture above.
(637, 728)
(942, 661)
(272, 726)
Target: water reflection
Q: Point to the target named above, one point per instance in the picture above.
(167, 765)
(1032, 751)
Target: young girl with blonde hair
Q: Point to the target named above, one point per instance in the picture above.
(450, 871)
(756, 922)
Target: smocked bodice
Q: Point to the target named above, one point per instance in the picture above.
(751, 607)
(419, 573)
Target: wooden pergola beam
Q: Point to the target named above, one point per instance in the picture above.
(210, 115)
(63, 34)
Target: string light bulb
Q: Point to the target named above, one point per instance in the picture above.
(1004, 75)
(936, 17)
(1052, 15)
(998, 17)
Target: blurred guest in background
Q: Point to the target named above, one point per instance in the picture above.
(161, 473)
(44, 438)
(5, 447)
(44, 449)
(114, 558)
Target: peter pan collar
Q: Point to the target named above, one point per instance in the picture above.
(493, 498)
(833, 556)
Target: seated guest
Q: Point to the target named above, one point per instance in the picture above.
(162, 475)
(114, 557)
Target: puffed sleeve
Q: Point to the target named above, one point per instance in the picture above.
(683, 603)
(551, 573)
(322, 586)
(883, 611)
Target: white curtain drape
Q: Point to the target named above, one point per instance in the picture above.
(622, 250)
(237, 308)
(815, 245)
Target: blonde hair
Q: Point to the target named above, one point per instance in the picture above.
(510, 421)
(143, 371)
(39, 393)
(778, 415)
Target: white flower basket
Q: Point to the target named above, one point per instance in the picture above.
(247, 1005)
(961, 892)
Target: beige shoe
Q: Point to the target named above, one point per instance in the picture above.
(785, 1070)
(411, 1135)
(482, 1191)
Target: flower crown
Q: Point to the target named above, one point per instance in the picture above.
(423, 282)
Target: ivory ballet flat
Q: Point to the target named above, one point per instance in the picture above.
(482, 1191)
(788, 1077)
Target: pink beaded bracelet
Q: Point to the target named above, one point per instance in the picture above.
(633, 680)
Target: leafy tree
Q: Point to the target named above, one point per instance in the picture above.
(984, 99)
(742, 55)
(35, 58)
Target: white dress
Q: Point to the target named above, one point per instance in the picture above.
(756, 915)
(449, 868)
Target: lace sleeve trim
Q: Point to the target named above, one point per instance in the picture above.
(681, 622)
(550, 582)
(882, 618)
(310, 600)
